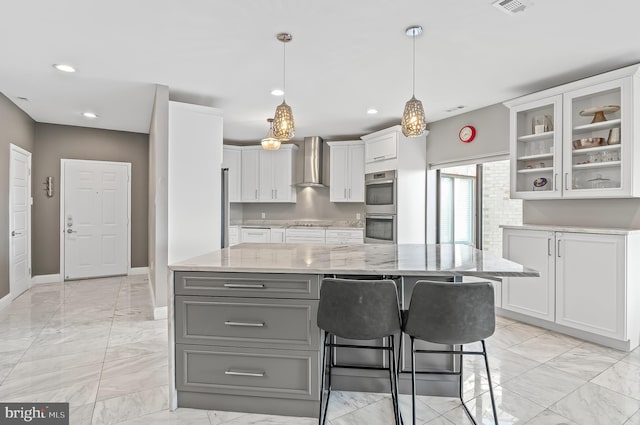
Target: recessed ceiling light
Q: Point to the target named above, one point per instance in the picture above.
(64, 67)
(89, 115)
(277, 92)
(372, 111)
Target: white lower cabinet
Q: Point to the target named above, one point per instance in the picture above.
(588, 282)
(305, 236)
(344, 236)
(277, 235)
(234, 235)
(533, 296)
(253, 235)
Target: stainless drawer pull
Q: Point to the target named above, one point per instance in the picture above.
(248, 324)
(245, 285)
(243, 373)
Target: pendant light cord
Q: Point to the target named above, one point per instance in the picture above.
(414, 64)
(284, 70)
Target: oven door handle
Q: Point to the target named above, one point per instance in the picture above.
(383, 217)
(372, 182)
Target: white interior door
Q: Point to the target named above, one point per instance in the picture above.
(95, 218)
(19, 221)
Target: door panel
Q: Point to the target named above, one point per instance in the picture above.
(19, 228)
(590, 283)
(96, 219)
(533, 296)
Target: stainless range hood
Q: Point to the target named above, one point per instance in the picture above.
(312, 166)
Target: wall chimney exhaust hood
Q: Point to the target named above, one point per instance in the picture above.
(312, 166)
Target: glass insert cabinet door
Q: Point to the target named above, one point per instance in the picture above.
(597, 139)
(536, 146)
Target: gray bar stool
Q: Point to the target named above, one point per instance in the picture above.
(452, 314)
(360, 310)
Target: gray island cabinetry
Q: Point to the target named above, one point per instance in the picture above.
(243, 320)
(243, 334)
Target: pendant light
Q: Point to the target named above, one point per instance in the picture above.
(271, 142)
(414, 123)
(283, 124)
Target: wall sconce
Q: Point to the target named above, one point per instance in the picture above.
(48, 186)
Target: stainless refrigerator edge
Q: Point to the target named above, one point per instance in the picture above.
(224, 207)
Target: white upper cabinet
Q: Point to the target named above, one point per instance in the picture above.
(536, 150)
(381, 147)
(276, 175)
(603, 170)
(268, 176)
(577, 140)
(250, 174)
(232, 159)
(346, 170)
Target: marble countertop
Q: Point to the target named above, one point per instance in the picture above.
(576, 229)
(374, 259)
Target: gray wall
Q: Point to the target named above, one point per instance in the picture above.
(158, 195)
(55, 142)
(311, 204)
(492, 135)
(18, 128)
(492, 124)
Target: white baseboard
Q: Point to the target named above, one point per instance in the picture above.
(138, 270)
(160, 313)
(46, 278)
(5, 301)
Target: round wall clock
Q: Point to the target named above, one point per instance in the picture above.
(467, 133)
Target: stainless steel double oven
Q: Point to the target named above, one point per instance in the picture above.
(380, 207)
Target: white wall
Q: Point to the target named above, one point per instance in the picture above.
(158, 164)
(195, 161)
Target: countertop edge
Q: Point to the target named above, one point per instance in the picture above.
(381, 272)
(574, 229)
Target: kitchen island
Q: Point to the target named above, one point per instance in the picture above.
(243, 331)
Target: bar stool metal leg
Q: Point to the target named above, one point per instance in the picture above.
(413, 381)
(493, 401)
(322, 418)
(393, 379)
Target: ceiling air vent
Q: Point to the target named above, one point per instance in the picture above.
(509, 6)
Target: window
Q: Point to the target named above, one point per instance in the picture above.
(457, 205)
(474, 202)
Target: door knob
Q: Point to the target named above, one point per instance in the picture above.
(70, 230)
(14, 233)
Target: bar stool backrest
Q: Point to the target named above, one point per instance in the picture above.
(359, 309)
(451, 313)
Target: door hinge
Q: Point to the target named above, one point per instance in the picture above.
(29, 171)
(29, 271)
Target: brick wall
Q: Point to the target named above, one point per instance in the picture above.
(497, 207)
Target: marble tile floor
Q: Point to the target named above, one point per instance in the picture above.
(94, 344)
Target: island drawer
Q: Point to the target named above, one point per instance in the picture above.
(263, 285)
(247, 322)
(254, 372)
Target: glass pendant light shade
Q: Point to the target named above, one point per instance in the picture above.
(283, 124)
(271, 142)
(414, 122)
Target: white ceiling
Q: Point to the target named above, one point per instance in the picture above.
(345, 57)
